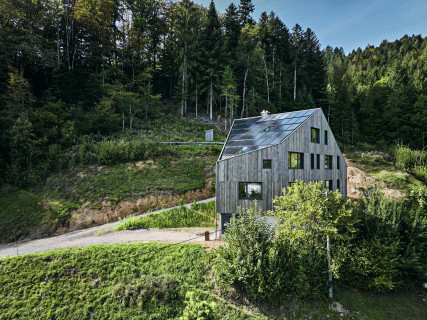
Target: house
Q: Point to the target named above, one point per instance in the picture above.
(264, 154)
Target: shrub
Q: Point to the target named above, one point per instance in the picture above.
(197, 309)
(374, 255)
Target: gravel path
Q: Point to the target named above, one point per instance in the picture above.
(104, 235)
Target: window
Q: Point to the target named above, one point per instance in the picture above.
(250, 190)
(328, 162)
(328, 185)
(241, 150)
(326, 136)
(312, 161)
(266, 163)
(338, 162)
(315, 135)
(318, 161)
(338, 184)
(296, 160)
(268, 128)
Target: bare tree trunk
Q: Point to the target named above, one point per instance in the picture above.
(210, 100)
(266, 79)
(295, 82)
(182, 94)
(196, 97)
(130, 116)
(244, 93)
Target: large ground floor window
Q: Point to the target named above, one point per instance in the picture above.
(250, 190)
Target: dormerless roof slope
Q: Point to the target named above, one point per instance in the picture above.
(255, 133)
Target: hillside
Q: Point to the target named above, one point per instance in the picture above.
(115, 177)
(154, 281)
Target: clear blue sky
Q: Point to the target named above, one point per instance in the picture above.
(344, 23)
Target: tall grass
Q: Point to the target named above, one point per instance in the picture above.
(199, 215)
(412, 161)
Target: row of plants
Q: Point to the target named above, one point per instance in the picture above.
(377, 245)
(198, 215)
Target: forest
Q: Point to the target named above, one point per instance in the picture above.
(78, 70)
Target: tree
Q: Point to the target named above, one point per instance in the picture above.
(213, 50)
(246, 7)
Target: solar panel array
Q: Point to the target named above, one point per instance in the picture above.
(259, 132)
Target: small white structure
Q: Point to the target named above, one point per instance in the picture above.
(209, 135)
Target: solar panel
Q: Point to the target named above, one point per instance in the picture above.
(258, 132)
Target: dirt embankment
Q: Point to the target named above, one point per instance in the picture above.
(358, 179)
(90, 217)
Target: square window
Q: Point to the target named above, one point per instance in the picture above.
(315, 135)
(266, 163)
(250, 190)
(296, 160)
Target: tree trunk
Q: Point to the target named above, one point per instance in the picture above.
(266, 80)
(210, 100)
(295, 82)
(244, 94)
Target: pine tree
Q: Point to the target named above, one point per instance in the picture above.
(246, 7)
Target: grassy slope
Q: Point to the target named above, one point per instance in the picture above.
(381, 168)
(178, 170)
(123, 282)
(107, 282)
(199, 215)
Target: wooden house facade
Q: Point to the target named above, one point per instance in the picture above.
(262, 155)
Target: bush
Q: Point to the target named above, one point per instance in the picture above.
(374, 255)
(407, 159)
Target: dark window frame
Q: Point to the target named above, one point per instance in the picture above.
(315, 135)
(318, 161)
(338, 162)
(330, 184)
(326, 137)
(338, 185)
(312, 161)
(246, 191)
(266, 166)
(300, 160)
(328, 162)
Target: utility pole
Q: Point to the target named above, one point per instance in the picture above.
(328, 249)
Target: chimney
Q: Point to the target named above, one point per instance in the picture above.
(264, 113)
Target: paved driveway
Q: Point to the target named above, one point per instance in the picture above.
(104, 235)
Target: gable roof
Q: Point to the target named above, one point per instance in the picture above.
(255, 133)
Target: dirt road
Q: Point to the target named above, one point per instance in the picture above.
(104, 235)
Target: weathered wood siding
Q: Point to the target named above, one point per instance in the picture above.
(248, 167)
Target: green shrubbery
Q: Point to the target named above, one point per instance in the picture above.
(412, 161)
(379, 245)
(199, 215)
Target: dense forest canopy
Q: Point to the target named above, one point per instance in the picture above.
(74, 68)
